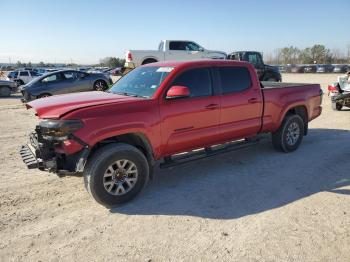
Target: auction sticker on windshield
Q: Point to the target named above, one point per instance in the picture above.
(165, 69)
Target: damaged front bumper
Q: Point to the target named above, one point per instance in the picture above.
(47, 155)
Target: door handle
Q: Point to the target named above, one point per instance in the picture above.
(212, 106)
(252, 100)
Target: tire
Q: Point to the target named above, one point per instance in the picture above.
(100, 85)
(103, 180)
(5, 91)
(336, 106)
(44, 95)
(149, 61)
(285, 139)
(271, 79)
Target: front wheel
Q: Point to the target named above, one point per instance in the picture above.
(290, 134)
(336, 106)
(115, 174)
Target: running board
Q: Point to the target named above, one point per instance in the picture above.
(186, 157)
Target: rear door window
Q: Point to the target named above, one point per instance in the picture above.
(52, 78)
(24, 73)
(177, 45)
(234, 79)
(70, 75)
(197, 80)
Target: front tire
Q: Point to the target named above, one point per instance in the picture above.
(290, 134)
(336, 106)
(115, 174)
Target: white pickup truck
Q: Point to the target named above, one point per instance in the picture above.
(171, 50)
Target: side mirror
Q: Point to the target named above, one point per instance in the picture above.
(201, 49)
(178, 92)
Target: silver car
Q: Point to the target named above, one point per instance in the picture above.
(62, 82)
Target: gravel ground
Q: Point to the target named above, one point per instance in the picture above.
(250, 205)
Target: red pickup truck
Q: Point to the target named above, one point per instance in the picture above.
(169, 113)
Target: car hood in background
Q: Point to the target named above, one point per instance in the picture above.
(59, 105)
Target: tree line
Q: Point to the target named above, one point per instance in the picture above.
(111, 62)
(317, 54)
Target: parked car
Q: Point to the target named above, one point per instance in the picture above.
(158, 111)
(298, 69)
(7, 88)
(171, 50)
(62, 82)
(325, 68)
(265, 72)
(22, 77)
(114, 71)
(340, 68)
(310, 69)
(340, 93)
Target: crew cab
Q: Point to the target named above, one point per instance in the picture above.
(265, 72)
(167, 113)
(171, 50)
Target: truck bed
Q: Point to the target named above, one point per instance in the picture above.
(273, 85)
(279, 95)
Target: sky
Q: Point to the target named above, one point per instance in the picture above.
(80, 31)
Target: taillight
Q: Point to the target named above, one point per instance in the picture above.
(332, 89)
(129, 56)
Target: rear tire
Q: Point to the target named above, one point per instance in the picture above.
(100, 85)
(336, 106)
(289, 135)
(110, 171)
(5, 91)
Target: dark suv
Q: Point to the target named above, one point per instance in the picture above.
(265, 72)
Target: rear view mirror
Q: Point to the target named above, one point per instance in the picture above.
(178, 92)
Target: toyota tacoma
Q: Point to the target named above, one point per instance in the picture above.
(167, 113)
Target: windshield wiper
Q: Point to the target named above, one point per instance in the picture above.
(129, 94)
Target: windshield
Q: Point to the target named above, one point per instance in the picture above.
(141, 82)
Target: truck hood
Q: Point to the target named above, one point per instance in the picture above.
(59, 105)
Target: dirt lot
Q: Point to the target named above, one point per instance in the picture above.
(251, 205)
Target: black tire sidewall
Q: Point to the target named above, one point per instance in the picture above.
(103, 158)
(288, 121)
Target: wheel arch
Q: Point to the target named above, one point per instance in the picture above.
(155, 59)
(300, 110)
(136, 139)
(100, 79)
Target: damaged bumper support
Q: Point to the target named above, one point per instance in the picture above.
(42, 154)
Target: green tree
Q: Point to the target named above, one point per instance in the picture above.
(112, 62)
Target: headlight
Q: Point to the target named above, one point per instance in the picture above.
(59, 129)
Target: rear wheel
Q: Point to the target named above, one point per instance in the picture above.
(336, 106)
(115, 174)
(290, 134)
(5, 91)
(100, 85)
